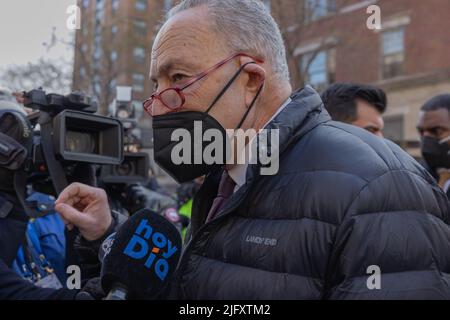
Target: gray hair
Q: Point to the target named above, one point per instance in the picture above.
(247, 26)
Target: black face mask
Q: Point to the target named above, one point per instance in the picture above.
(165, 125)
(436, 152)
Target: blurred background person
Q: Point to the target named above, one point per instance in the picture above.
(357, 104)
(434, 130)
(9, 101)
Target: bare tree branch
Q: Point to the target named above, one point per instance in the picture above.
(51, 75)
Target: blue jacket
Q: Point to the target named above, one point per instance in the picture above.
(12, 285)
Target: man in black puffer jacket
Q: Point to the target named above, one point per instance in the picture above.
(343, 206)
(343, 200)
(348, 215)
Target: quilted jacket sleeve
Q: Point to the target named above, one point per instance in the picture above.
(409, 245)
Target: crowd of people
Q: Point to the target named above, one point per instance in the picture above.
(344, 198)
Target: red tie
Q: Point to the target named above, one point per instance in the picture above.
(226, 188)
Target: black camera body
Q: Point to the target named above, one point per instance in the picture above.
(38, 99)
(78, 134)
(83, 137)
(70, 134)
(133, 169)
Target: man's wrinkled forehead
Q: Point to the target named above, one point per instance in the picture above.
(434, 118)
(185, 40)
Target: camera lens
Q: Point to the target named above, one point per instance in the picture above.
(126, 169)
(123, 114)
(80, 142)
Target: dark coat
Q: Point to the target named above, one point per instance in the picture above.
(12, 234)
(343, 200)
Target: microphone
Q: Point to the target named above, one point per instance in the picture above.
(140, 258)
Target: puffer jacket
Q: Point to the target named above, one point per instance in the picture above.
(344, 206)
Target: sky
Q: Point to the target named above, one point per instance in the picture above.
(26, 24)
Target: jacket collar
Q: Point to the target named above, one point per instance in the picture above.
(302, 114)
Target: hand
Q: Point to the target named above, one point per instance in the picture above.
(444, 176)
(86, 208)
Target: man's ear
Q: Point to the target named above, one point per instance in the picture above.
(255, 77)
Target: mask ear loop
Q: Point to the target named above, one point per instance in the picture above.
(222, 92)
(445, 140)
(250, 106)
(442, 141)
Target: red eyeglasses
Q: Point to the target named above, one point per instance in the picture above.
(173, 98)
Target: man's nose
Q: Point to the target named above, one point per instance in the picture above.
(428, 134)
(158, 108)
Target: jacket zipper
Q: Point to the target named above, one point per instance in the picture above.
(219, 217)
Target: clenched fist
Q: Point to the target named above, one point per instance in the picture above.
(86, 208)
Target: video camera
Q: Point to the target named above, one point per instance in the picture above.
(134, 168)
(70, 134)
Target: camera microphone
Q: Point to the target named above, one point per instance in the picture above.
(140, 258)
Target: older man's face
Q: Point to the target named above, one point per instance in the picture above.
(186, 46)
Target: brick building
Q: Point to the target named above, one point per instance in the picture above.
(112, 47)
(327, 41)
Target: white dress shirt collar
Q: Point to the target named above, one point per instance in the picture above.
(239, 171)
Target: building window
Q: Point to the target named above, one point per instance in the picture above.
(97, 88)
(98, 29)
(139, 55)
(316, 9)
(113, 55)
(138, 82)
(85, 3)
(99, 10)
(393, 46)
(394, 128)
(97, 85)
(140, 5)
(319, 68)
(138, 110)
(84, 30)
(115, 5)
(140, 27)
(167, 5)
(98, 39)
(97, 53)
(82, 72)
(114, 30)
(84, 48)
(112, 84)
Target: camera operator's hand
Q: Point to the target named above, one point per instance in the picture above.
(86, 208)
